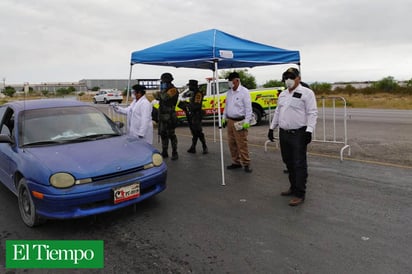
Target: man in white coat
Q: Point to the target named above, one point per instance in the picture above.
(139, 115)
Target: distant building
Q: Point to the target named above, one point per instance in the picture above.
(357, 85)
(120, 84)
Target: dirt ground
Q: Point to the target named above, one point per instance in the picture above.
(396, 150)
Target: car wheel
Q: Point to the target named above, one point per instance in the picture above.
(105, 101)
(94, 100)
(257, 115)
(26, 205)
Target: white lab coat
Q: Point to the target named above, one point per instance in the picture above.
(139, 119)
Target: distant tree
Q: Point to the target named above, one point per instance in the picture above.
(349, 89)
(387, 84)
(45, 92)
(247, 79)
(71, 89)
(9, 91)
(321, 87)
(95, 88)
(409, 83)
(64, 91)
(273, 83)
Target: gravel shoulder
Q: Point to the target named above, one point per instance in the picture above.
(384, 142)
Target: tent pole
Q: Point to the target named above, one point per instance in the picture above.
(128, 84)
(220, 122)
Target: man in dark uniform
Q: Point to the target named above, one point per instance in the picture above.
(194, 113)
(295, 115)
(167, 97)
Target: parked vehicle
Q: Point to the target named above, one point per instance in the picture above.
(108, 96)
(263, 100)
(67, 159)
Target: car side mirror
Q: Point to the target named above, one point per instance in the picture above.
(4, 138)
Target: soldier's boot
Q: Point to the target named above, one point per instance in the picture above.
(204, 146)
(165, 144)
(192, 149)
(173, 140)
(164, 153)
(175, 156)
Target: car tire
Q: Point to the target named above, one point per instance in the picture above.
(26, 205)
(257, 115)
(94, 100)
(105, 101)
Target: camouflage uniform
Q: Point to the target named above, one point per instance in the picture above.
(167, 97)
(195, 112)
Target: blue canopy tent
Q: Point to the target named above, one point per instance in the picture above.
(213, 49)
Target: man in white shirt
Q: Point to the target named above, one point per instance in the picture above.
(295, 115)
(237, 116)
(139, 115)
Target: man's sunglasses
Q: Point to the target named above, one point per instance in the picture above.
(289, 76)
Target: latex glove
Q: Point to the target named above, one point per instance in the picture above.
(115, 107)
(246, 125)
(270, 135)
(224, 122)
(308, 137)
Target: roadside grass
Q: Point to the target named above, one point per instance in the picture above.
(377, 100)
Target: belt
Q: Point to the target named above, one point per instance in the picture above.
(237, 118)
(293, 131)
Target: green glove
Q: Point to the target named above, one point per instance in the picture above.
(223, 122)
(246, 125)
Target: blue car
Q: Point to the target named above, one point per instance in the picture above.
(66, 159)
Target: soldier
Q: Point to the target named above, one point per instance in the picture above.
(167, 97)
(194, 114)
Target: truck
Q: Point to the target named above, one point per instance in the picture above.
(263, 100)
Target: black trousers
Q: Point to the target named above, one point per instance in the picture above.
(293, 148)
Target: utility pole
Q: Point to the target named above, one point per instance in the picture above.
(4, 83)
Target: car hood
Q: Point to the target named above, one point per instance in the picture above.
(93, 158)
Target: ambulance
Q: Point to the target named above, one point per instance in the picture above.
(263, 100)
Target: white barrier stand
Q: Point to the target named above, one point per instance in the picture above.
(334, 139)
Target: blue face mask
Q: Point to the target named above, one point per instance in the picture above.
(163, 86)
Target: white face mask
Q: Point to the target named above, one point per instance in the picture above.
(289, 83)
(230, 84)
(133, 96)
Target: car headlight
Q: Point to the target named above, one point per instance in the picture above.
(157, 159)
(62, 180)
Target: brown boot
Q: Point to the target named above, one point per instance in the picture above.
(296, 201)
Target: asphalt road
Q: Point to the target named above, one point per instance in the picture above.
(356, 219)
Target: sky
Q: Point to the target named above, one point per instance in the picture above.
(70, 40)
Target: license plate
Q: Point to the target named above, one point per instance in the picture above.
(126, 193)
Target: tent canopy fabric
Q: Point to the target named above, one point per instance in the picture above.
(203, 49)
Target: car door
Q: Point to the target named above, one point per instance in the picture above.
(7, 151)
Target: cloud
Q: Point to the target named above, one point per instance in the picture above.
(45, 40)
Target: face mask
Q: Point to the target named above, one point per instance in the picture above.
(289, 83)
(230, 84)
(133, 96)
(163, 86)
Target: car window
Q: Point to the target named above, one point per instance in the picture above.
(223, 87)
(2, 112)
(64, 124)
(6, 120)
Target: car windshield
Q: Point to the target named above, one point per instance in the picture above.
(63, 125)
